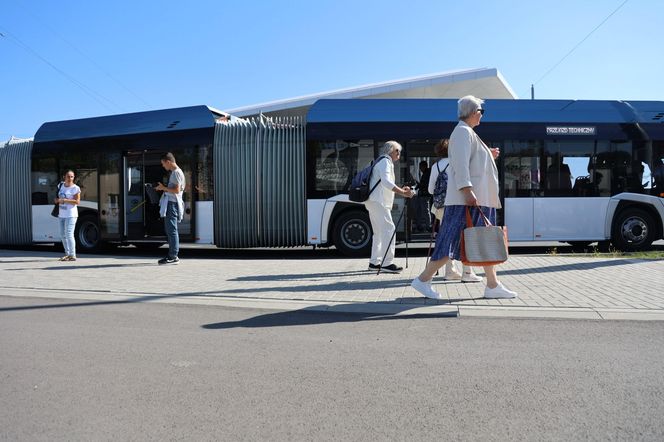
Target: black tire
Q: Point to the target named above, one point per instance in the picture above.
(633, 229)
(87, 235)
(352, 234)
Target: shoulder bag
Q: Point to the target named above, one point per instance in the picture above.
(56, 207)
(483, 245)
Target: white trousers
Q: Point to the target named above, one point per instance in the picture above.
(383, 229)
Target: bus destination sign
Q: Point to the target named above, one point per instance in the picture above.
(570, 130)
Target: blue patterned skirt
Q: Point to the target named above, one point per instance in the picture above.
(448, 239)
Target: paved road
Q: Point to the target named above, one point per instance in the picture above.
(78, 370)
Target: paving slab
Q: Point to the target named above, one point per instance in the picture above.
(549, 286)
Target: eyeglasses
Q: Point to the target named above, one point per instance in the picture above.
(481, 111)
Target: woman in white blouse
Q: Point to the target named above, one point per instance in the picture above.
(68, 197)
(472, 181)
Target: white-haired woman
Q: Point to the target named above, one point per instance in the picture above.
(472, 181)
(379, 206)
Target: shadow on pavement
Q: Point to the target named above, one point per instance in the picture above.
(313, 316)
(80, 267)
(259, 278)
(14, 261)
(576, 266)
(544, 269)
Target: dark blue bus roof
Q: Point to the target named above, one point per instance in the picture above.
(166, 120)
(497, 111)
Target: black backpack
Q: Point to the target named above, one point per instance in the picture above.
(359, 188)
(440, 191)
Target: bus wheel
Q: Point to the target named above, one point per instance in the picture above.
(633, 229)
(87, 234)
(352, 234)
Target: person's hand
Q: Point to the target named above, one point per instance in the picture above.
(160, 187)
(408, 192)
(469, 196)
(495, 151)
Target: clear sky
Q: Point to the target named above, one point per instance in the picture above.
(70, 59)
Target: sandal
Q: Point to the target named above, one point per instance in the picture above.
(71, 258)
(64, 258)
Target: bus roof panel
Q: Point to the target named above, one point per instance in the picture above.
(497, 111)
(166, 120)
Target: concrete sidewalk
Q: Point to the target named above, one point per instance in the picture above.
(548, 286)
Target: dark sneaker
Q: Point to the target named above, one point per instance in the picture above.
(373, 266)
(168, 260)
(392, 268)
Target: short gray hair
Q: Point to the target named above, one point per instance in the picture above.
(389, 147)
(468, 105)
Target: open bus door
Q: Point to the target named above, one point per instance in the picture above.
(142, 222)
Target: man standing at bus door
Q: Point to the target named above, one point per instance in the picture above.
(379, 206)
(171, 206)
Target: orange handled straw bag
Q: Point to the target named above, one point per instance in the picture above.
(483, 245)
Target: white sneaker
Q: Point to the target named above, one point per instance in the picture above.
(452, 275)
(499, 292)
(470, 277)
(425, 289)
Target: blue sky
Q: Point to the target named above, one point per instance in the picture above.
(75, 59)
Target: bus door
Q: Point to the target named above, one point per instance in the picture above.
(141, 201)
(143, 171)
(418, 160)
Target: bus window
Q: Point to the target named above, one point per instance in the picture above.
(521, 160)
(45, 180)
(658, 168)
(204, 173)
(338, 161)
(621, 167)
(418, 152)
(568, 168)
(641, 174)
(86, 179)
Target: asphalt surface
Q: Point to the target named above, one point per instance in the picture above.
(74, 370)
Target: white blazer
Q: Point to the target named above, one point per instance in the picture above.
(383, 193)
(471, 164)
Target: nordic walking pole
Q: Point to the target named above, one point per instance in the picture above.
(387, 249)
(407, 231)
(430, 242)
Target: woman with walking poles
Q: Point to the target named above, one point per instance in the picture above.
(379, 206)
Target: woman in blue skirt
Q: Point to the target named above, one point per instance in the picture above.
(472, 181)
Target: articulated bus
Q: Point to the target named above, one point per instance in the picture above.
(570, 171)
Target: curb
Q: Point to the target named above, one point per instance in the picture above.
(362, 308)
